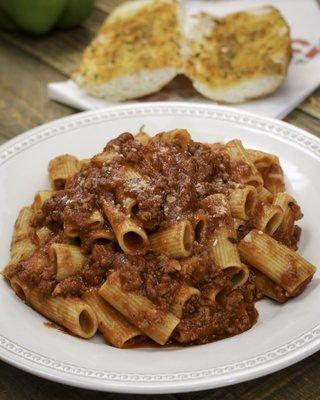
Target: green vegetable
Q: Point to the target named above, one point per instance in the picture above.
(6, 22)
(74, 13)
(41, 16)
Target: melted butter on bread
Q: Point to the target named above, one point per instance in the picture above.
(246, 51)
(139, 37)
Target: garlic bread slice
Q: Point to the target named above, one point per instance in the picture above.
(242, 56)
(136, 51)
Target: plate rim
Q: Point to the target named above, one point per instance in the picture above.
(271, 361)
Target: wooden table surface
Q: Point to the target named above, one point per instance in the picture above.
(26, 66)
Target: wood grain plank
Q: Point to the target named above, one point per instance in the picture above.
(3, 139)
(296, 382)
(19, 385)
(108, 5)
(96, 18)
(304, 121)
(312, 105)
(23, 101)
(60, 49)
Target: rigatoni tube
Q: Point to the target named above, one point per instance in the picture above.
(67, 259)
(142, 137)
(267, 217)
(223, 249)
(21, 250)
(182, 295)
(274, 180)
(213, 292)
(104, 158)
(20, 289)
(175, 241)
(266, 287)
(242, 167)
(128, 204)
(22, 246)
(131, 237)
(286, 202)
(22, 226)
(70, 230)
(200, 226)
(40, 197)
(95, 220)
(241, 277)
(104, 233)
(72, 313)
(283, 200)
(139, 310)
(242, 201)
(238, 223)
(43, 234)
(181, 137)
(264, 195)
(114, 327)
(281, 264)
(262, 159)
(84, 162)
(62, 168)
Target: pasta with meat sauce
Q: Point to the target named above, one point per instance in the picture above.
(159, 238)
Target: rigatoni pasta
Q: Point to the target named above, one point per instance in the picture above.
(243, 201)
(181, 297)
(200, 226)
(281, 264)
(243, 169)
(224, 251)
(175, 241)
(142, 137)
(66, 259)
(222, 241)
(177, 136)
(22, 226)
(264, 195)
(62, 168)
(22, 245)
(241, 277)
(261, 159)
(131, 237)
(291, 213)
(73, 314)
(40, 197)
(70, 230)
(42, 235)
(267, 288)
(104, 158)
(273, 179)
(268, 217)
(103, 235)
(95, 220)
(128, 204)
(114, 327)
(159, 238)
(139, 310)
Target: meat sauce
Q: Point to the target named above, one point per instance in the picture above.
(175, 181)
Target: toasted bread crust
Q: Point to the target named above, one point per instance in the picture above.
(138, 36)
(242, 56)
(140, 48)
(251, 89)
(132, 86)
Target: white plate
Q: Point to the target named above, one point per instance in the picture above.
(284, 334)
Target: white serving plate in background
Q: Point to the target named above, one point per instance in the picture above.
(283, 335)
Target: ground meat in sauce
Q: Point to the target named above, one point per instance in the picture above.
(168, 184)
